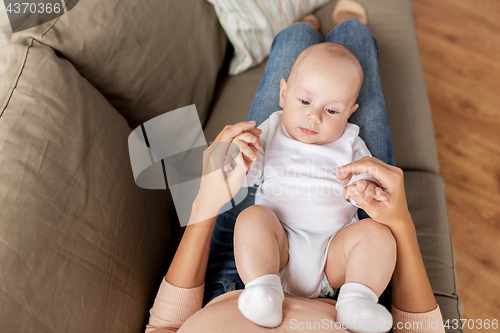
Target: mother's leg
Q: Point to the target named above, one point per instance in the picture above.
(221, 275)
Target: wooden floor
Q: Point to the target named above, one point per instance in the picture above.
(460, 50)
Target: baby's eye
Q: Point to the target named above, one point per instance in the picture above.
(330, 111)
(303, 102)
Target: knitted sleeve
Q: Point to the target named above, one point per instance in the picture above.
(425, 322)
(173, 306)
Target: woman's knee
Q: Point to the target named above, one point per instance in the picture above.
(353, 34)
(350, 27)
(298, 32)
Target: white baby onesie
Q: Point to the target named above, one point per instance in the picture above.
(298, 182)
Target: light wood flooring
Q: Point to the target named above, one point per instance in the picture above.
(460, 51)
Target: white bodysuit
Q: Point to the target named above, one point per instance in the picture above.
(298, 182)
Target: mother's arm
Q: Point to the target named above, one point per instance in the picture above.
(181, 292)
(411, 289)
(189, 265)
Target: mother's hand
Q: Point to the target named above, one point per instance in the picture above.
(216, 187)
(392, 182)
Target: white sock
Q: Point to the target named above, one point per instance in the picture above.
(262, 301)
(358, 310)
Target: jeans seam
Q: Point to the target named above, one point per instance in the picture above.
(222, 280)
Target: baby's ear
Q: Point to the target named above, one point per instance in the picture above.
(282, 92)
(354, 108)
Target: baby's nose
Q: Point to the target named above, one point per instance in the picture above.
(314, 115)
(314, 118)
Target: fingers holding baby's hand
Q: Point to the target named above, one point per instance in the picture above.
(368, 194)
(359, 187)
(365, 192)
(381, 195)
(248, 143)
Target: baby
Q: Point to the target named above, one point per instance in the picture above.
(281, 244)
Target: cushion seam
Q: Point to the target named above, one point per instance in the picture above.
(49, 28)
(16, 80)
(455, 285)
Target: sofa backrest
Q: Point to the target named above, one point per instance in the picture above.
(145, 57)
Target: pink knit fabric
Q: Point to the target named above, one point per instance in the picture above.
(426, 322)
(174, 305)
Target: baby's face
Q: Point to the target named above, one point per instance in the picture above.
(318, 100)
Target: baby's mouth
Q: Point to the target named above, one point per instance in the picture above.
(308, 131)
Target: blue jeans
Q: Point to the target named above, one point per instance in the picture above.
(371, 117)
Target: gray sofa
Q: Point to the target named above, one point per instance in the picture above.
(82, 248)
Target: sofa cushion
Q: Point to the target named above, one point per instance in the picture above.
(233, 98)
(82, 248)
(145, 57)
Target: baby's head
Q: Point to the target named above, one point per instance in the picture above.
(321, 93)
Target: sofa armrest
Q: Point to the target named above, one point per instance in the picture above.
(82, 247)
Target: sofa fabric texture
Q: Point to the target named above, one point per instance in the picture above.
(82, 247)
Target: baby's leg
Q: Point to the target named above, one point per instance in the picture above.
(363, 252)
(260, 243)
(361, 258)
(260, 252)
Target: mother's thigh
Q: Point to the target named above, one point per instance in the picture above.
(287, 45)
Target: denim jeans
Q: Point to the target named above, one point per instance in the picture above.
(371, 117)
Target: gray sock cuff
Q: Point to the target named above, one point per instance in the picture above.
(354, 289)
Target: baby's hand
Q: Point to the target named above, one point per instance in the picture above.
(367, 191)
(248, 143)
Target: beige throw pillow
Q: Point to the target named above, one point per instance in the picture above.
(251, 26)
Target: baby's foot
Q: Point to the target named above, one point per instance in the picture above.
(358, 310)
(345, 9)
(262, 301)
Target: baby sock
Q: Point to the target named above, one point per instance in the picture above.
(262, 300)
(358, 310)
